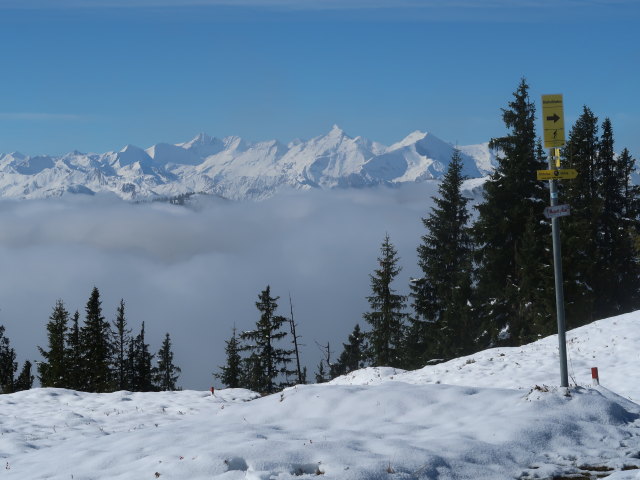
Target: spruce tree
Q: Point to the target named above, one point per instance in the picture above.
(353, 354)
(166, 373)
(8, 365)
(512, 197)
(321, 375)
(617, 264)
(602, 265)
(231, 373)
(96, 347)
(140, 361)
(386, 315)
(580, 228)
(271, 361)
(252, 373)
(73, 354)
(122, 337)
(25, 379)
(442, 327)
(54, 370)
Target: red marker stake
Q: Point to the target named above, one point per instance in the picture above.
(594, 376)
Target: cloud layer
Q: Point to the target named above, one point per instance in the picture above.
(197, 272)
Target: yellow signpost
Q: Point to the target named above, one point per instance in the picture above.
(553, 126)
(557, 174)
(553, 121)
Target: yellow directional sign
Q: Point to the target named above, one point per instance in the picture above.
(553, 120)
(560, 174)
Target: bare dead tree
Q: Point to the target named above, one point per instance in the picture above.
(295, 337)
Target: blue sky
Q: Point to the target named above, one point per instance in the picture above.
(94, 75)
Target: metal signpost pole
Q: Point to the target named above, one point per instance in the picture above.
(553, 126)
(557, 270)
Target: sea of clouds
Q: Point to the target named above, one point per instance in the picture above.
(196, 271)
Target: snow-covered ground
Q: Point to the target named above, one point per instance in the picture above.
(494, 415)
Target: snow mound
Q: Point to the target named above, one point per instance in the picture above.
(346, 432)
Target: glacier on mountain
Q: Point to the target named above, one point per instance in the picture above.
(237, 169)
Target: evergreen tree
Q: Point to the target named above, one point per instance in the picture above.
(252, 373)
(54, 370)
(140, 361)
(602, 265)
(617, 282)
(25, 379)
(353, 354)
(73, 354)
(631, 193)
(271, 361)
(8, 365)
(580, 228)
(534, 275)
(122, 337)
(512, 197)
(96, 347)
(386, 316)
(321, 373)
(231, 373)
(442, 325)
(166, 373)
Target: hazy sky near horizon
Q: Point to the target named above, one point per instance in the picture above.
(95, 75)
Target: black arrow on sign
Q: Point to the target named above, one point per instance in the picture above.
(555, 118)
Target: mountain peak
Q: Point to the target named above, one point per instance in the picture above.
(336, 131)
(130, 148)
(410, 139)
(200, 139)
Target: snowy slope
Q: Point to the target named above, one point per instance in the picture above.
(611, 345)
(235, 168)
(372, 424)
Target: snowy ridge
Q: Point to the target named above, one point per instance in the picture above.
(237, 169)
(376, 423)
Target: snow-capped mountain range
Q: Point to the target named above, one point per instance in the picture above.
(236, 169)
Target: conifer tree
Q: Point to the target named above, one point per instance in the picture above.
(386, 315)
(353, 354)
(96, 347)
(54, 370)
(512, 196)
(166, 373)
(271, 361)
(25, 379)
(122, 337)
(618, 269)
(252, 373)
(602, 265)
(321, 373)
(73, 354)
(231, 373)
(140, 361)
(626, 165)
(8, 365)
(442, 325)
(580, 228)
